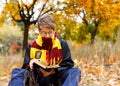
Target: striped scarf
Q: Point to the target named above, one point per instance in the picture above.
(47, 50)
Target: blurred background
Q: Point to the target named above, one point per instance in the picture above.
(91, 28)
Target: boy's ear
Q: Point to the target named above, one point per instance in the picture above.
(56, 34)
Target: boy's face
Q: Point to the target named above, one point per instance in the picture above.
(46, 32)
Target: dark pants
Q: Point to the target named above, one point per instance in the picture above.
(69, 77)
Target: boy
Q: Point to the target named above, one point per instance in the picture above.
(50, 50)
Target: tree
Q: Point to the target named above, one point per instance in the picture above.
(94, 13)
(64, 26)
(19, 11)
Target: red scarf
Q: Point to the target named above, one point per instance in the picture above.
(51, 47)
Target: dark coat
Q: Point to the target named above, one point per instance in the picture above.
(66, 63)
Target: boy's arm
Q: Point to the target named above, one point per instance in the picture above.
(67, 61)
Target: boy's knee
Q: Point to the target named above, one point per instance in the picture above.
(15, 70)
(78, 73)
(73, 71)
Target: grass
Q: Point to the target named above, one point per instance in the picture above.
(99, 63)
(8, 63)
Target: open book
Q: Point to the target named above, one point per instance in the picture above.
(45, 66)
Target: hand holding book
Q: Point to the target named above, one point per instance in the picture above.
(41, 64)
(32, 62)
(42, 67)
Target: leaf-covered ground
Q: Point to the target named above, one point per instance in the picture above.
(94, 72)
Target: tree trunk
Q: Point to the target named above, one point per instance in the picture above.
(25, 39)
(93, 34)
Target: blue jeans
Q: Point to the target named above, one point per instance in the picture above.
(70, 77)
(17, 78)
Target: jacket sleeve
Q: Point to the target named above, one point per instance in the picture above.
(27, 58)
(67, 61)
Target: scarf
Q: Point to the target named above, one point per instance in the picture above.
(47, 50)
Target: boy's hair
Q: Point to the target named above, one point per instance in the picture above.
(46, 21)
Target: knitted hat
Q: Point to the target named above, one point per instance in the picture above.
(46, 21)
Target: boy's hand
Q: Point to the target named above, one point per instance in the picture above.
(44, 72)
(32, 62)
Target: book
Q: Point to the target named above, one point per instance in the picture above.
(39, 63)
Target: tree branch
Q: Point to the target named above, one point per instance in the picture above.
(34, 1)
(84, 20)
(27, 10)
(21, 15)
(97, 22)
(18, 5)
(33, 22)
(43, 7)
(20, 11)
(31, 7)
(16, 19)
(47, 11)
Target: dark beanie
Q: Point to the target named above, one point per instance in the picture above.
(46, 21)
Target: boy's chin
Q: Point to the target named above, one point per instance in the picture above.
(47, 42)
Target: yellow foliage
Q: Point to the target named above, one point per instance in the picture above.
(103, 15)
(2, 18)
(100, 8)
(9, 8)
(33, 26)
(7, 30)
(107, 28)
